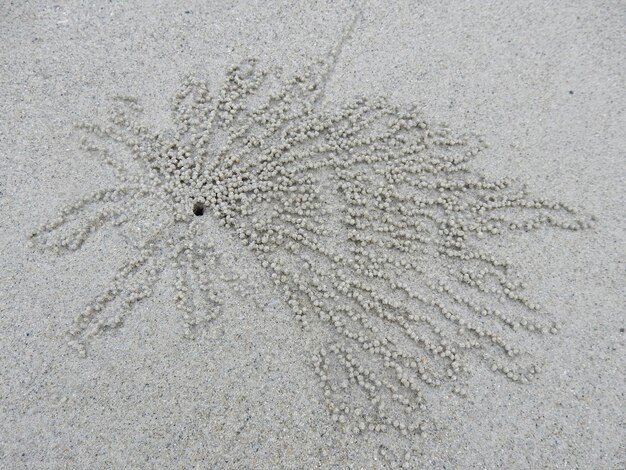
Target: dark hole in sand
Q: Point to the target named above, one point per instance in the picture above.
(198, 209)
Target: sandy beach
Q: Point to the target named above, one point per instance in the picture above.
(260, 375)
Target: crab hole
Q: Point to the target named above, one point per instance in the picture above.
(198, 209)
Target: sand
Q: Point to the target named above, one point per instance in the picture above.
(543, 84)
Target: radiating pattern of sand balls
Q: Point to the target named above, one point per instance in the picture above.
(366, 216)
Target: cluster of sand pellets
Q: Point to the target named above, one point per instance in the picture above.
(366, 216)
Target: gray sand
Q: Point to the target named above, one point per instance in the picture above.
(544, 85)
